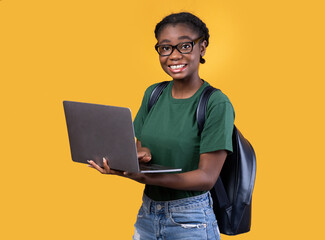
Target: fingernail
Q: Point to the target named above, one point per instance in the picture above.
(104, 159)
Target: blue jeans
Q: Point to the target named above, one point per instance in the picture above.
(189, 218)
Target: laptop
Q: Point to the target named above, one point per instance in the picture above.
(100, 131)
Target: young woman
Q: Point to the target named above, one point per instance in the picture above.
(179, 205)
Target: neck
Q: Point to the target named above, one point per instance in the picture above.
(186, 88)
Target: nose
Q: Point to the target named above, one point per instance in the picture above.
(175, 55)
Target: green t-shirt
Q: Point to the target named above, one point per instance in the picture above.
(170, 131)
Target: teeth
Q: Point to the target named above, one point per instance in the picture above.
(176, 66)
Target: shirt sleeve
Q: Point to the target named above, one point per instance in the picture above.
(142, 113)
(219, 124)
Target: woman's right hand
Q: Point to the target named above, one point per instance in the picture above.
(139, 177)
(105, 169)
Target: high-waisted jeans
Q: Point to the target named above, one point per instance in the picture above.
(184, 219)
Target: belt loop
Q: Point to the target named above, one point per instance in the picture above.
(167, 207)
(149, 205)
(210, 199)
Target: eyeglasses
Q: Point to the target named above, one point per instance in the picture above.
(183, 47)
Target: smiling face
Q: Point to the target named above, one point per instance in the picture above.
(177, 65)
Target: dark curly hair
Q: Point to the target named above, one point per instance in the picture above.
(190, 20)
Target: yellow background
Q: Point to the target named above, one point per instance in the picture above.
(267, 56)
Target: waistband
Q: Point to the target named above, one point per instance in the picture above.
(200, 201)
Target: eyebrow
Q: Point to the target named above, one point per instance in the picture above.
(184, 37)
(180, 38)
(164, 41)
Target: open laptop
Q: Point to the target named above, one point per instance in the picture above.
(96, 131)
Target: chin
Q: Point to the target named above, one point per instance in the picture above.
(178, 78)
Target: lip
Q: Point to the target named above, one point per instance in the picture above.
(178, 70)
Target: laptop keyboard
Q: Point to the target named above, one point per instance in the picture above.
(151, 167)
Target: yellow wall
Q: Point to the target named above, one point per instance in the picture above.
(267, 56)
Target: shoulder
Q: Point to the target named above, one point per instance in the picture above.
(151, 88)
(219, 100)
(218, 97)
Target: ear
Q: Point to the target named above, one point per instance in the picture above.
(203, 47)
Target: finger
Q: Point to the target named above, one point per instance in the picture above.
(145, 159)
(120, 173)
(94, 165)
(141, 154)
(105, 165)
(127, 174)
(109, 170)
(135, 176)
(130, 175)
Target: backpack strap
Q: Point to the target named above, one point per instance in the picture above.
(219, 188)
(157, 91)
(201, 107)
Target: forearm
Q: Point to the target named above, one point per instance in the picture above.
(201, 179)
(196, 180)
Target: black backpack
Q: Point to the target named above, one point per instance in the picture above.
(232, 193)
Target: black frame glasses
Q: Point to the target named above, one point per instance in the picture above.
(178, 47)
